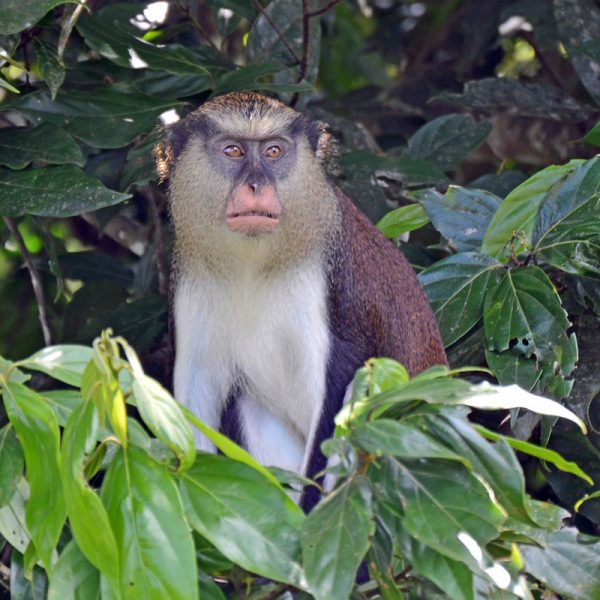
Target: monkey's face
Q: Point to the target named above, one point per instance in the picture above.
(245, 177)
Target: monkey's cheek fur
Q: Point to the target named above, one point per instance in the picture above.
(252, 223)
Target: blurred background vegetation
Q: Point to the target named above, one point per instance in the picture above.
(479, 94)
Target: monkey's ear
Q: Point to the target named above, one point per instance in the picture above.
(163, 157)
(327, 150)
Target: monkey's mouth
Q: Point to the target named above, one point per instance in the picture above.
(252, 222)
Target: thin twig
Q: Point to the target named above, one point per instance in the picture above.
(159, 246)
(276, 29)
(36, 281)
(323, 9)
(197, 25)
(67, 29)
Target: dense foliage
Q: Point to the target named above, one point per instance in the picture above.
(467, 132)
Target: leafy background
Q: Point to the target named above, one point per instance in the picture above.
(468, 132)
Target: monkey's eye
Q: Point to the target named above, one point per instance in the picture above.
(233, 151)
(273, 151)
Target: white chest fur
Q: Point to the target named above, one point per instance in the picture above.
(270, 337)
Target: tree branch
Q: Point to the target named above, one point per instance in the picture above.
(323, 9)
(36, 281)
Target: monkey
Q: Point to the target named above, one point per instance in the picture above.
(281, 287)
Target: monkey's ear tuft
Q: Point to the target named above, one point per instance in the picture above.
(327, 150)
(163, 157)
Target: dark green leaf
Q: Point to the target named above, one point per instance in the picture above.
(402, 220)
(11, 464)
(593, 135)
(110, 33)
(248, 78)
(93, 266)
(456, 287)
(73, 577)
(66, 362)
(432, 494)
(103, 118)
(250, 520)
(335, 538)
(461, 215)
(88, 518)
(20, 145)
(496, 94)
(511, 227)
(568, 566)
(139, 168)
(51, 70)
(525, 309)
(500, 184)
(511, 366)
(388, 437)
(452, 576)
(37, 429)
(567, 223)
(156, 550)
(63, 191)
(16, 15)
(447, 140)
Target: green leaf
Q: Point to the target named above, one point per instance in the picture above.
(456, 287)
(461, 215)
(283, 18)
(156, 549)
(247, 78)
(565, 564)
(447, 140)
(567, 225)
(37, 429)
(164, 418)
(63, 191)
(66, 362)
(524, 312)
(111, 34)
(74, 578)
(593, 135)
(51, 70)
(16, 15)
(512, 226)
(62, 403)
(256, 529)
(93, 266)
(432, 495)
(335, 538)
(21, 145)
(511, 366)
(402, 220)
(388, 437)
(102, 118)
(12, 518)
(89, 520)
(452, 576)
(11, 464)
(544, 454)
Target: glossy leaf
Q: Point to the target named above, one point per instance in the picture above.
(250, 520)
(37, 429)
(387, 437)
(11, 464)
(16, 15)
(447, 140)
(512, 226)
(249, 78)
(156, 550)
(103, 118)
(21, 145)
(434, 510)
(525, 309)
(88, 518)
(567, 565)
(66, 362)
(12, 518)
(335, 539)
(74, 578)
(568, 221)
(461, 215)
(63, 191)
(545, 454)
(51, 69)
(402, 220)
(110, 33)
(456, 287)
